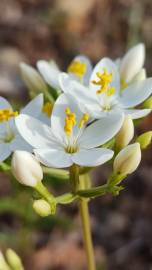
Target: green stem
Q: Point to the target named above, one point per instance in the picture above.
(84, 214)
(86, 228)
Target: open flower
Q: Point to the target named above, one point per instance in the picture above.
(104, 95)
(69, 139)
(10, 139)
(79, 69)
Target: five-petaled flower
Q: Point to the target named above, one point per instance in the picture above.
(104, 95)
(71, 137)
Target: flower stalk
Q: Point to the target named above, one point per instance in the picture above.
(84, 214)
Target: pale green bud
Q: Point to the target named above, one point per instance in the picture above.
(148, 103)
(126, 133)
(128, 159)
(42, 208)
(14, 260)
(32, 79)
(26, 168)
(145, 139)
(3, 263)
(132, 62)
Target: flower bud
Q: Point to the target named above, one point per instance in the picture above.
(132, 62)
(128, 159)
(42, 208)
(126, 133)
(145, 139)
(14, 260)
(147, 104)
(3, 264)
(26, 168)
(32, 79)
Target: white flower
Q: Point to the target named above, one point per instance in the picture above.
(10, 139)
(26, 168)
(69, 140)
(132, 63)
(79, 69)
(104, 95)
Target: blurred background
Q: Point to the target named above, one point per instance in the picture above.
(121, 226)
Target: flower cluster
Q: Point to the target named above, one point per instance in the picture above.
(80, 119)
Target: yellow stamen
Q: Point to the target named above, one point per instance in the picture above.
(6, 114)
(104, 80)
(70, 121)
(78, 68)
(47, 109)
(83, 120)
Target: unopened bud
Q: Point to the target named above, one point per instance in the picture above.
(42, 208)
(132, 62)
(3, 263)
(145, 139)
(14, 260)
(126, 133)
(26, 168)
(128, 159)
(147, 104)
(32, 79)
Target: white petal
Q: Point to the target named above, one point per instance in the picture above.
(54, 157)
(34, 107)
(18, 143)
(81, 94)
(4, 151)
(84, 60)
(135, 114)
(101, 131)
(58, 116)
(92, 157)
(34, 131)
(136, 93)
(141, 75)
(111, 67)
(50, 73)
(132, 62)
(4, 104)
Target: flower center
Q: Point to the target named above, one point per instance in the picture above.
(7, 114)
(78, 68)
(47, 109)
(70, 122)
(104, 80)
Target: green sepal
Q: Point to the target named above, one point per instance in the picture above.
(66, 198)
(4, 167)
(116, 179)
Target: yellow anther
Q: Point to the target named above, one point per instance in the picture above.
(83, 120)
(47, 109)
(104, 80)
(70, 121)
(6, 114)
(78, 68)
